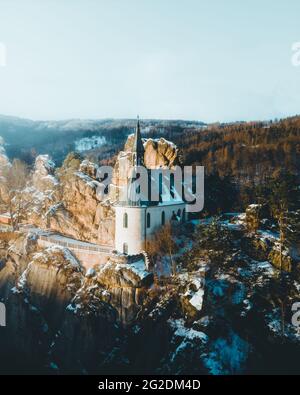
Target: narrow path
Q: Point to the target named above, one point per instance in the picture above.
(65, 241)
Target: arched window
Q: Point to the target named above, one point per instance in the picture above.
(125, 248)
(163, 218)
(172, 185)
(125, 220)
(183, 215)
(148, 220)
(179, 213)
(160, 186)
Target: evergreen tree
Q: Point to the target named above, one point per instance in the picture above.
(215, 239)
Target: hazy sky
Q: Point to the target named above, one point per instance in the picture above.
(194, 59)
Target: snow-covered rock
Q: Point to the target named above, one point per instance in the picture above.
(88, 143)
(43, 176)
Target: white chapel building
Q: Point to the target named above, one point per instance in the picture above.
(136, 218)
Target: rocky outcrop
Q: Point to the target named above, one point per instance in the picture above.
(158, 152)
(281, 258)
(84, 341)
(105, 222)
(41, 193)
(50, 281)
(38, 288)
(255, 213)
(43, 177)
(52, 302)
(15, 250)
(72, 207)
(79, 206)
(51, 299)
(67, 200)
(4, 165)
(27, 331)
(257, 248)
(126, 282)
(192, 294)
(4, 161)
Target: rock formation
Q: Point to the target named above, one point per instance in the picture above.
(52, 301)
(67, 200)
(4, 164)
(126, 283)
(158, 152)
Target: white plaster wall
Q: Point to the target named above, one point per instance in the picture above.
(136, 232)
(156, 215)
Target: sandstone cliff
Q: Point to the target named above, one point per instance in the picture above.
(127, 285)
(52, 302)
(4, 164)
(67, 200)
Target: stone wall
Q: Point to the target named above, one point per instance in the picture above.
(88, 259)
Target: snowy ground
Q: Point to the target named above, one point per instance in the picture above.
(88, 143)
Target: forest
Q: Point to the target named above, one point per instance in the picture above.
(243, 160)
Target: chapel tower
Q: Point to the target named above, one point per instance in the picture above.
(137, 218)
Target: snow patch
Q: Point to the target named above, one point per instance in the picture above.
(187, 333)
(88, 143)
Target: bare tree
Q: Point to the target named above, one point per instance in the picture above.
(163, 243)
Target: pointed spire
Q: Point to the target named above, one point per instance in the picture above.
(138, 147)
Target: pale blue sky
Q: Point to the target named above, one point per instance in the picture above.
(211, 60)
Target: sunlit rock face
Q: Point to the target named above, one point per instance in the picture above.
(47, 279)
(41, 193)
(67, 200)
(49, 304)
(43, 177)
(281, 258)
(80, 202)
(4, 165)
(14, 252)
(4, 161)
(159, 153)
(254, 215)
(81, 212)
(52, 301)
(105, 221)
(126, 282)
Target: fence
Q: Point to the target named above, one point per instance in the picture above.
(6, 228)
(75, 246)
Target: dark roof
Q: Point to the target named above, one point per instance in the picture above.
(135, 198)
(138, 147)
